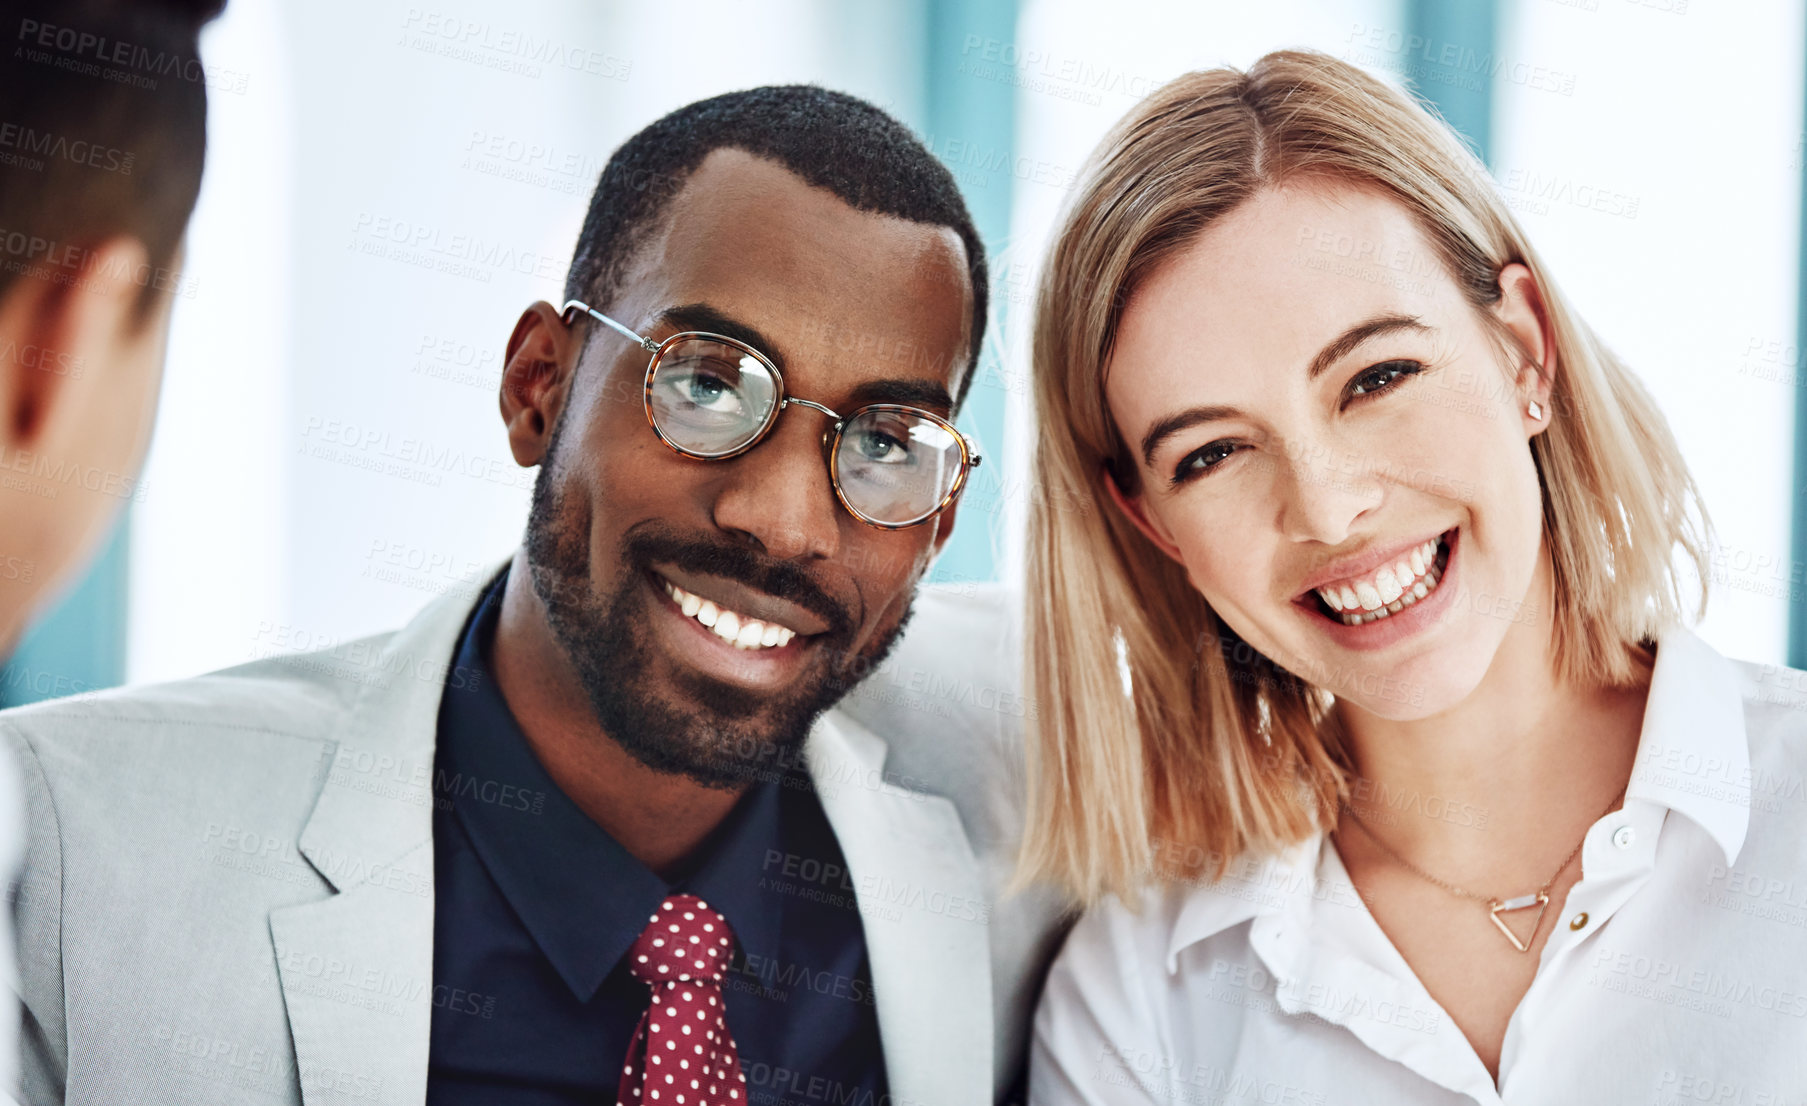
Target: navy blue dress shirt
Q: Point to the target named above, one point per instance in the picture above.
(536, 907)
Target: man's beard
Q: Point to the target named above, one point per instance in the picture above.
(721, 736)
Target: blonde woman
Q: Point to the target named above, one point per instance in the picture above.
(1369, 724)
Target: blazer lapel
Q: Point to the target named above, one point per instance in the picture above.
(925, 919)
(357, 978)
(356, 969)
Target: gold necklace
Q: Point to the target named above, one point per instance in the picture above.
(1496, 906)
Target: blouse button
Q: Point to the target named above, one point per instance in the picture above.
(1624, 836)
(1579, 921)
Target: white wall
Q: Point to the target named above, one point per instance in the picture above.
(210, 542)
(1664, 192)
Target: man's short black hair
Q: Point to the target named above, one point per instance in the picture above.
(830, 139)
(104, 128)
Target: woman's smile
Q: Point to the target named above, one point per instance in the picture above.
(1406, 595)
(1404, 575)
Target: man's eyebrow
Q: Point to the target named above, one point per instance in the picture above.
(1338, 348)
(1343, 343)
(928, 394)
(713, 320)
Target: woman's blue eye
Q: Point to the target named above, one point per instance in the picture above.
(1382, 376)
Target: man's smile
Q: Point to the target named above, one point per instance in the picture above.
(740, 630)
(727, 631)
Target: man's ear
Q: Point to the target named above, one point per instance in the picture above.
(54, 333)
(1133, 509)
(1521, 309)
(540, 361)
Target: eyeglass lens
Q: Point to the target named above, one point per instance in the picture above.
(896, 467)
(710, 399)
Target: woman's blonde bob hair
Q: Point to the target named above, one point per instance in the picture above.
(1215, 752)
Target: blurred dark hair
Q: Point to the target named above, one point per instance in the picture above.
(103, 128)
(830, 139)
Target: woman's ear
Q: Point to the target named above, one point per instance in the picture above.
(1134, 510)
(1521, 309)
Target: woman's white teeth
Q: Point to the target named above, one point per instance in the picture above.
(1391, 588)
(732, 627)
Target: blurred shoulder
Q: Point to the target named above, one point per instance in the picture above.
(191, 724)
(955, 674)
(1129, 940)
(1775, 721)
(1111, 980)
(948, 703)
(1775, 700)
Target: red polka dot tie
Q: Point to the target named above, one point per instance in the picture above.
(682, 1054)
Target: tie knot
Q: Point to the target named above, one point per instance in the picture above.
(683, 941)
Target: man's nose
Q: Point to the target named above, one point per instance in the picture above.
(778, 493)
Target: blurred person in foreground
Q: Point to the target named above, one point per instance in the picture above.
(606, 831)
(1425, 792)
(103, 113)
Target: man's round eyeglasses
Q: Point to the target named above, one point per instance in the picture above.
(712, 397)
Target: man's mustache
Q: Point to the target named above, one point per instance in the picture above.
(779, 579)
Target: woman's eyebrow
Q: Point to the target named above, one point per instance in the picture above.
(1340, 346)
(1178, 421)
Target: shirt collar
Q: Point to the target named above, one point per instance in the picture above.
(1693, 757)
(1694, 753)
(581, 895)
(1250, 887)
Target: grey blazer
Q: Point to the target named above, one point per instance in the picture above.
(228, 893)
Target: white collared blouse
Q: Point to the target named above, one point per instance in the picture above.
(1677, 971)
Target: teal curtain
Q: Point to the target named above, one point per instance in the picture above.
(1464, 30)
(80, 644)
(970, 107)
(1797, 596)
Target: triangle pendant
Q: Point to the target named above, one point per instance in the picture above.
(1524, 902)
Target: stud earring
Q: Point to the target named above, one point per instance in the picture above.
(1534, 410)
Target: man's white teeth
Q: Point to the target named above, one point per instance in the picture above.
(1390, 589)
(732, 627)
